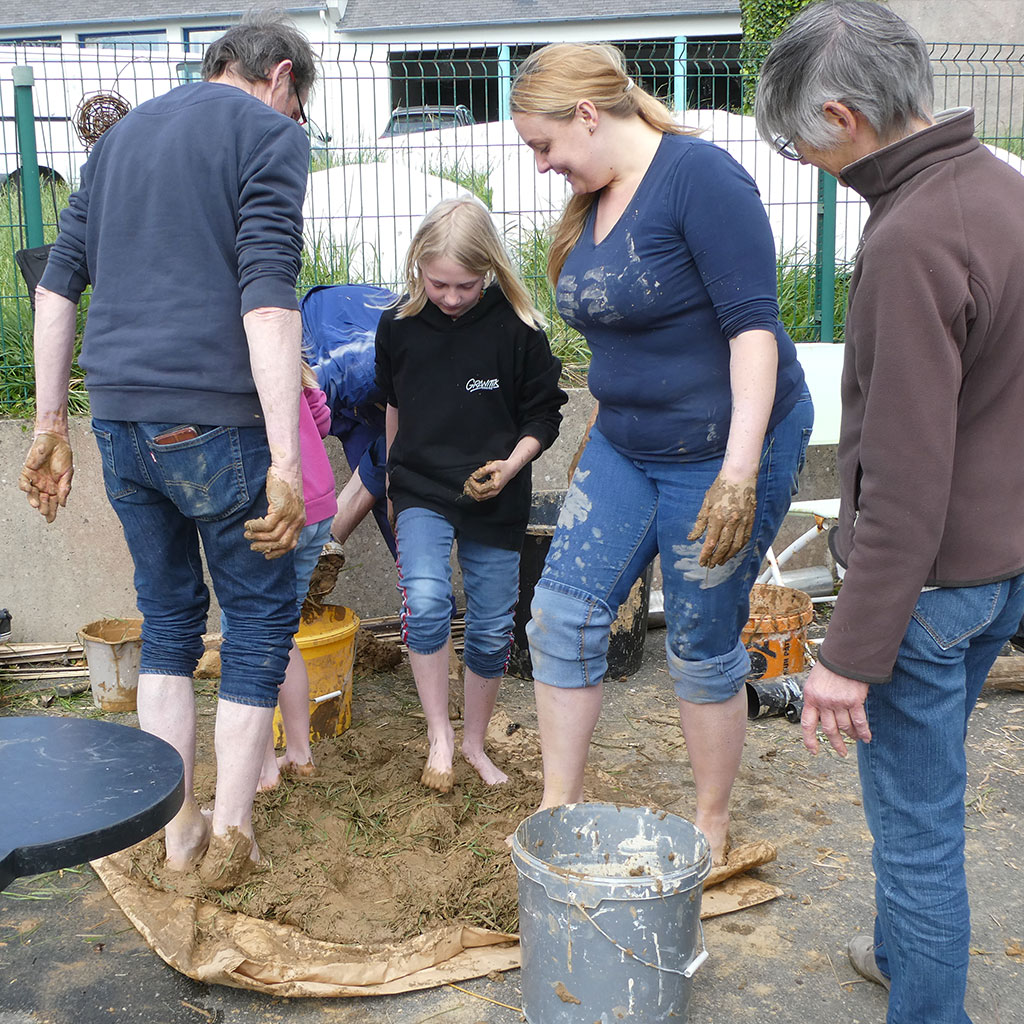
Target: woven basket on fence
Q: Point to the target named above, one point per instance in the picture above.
(96, 113)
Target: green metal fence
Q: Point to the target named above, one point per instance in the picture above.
(375, 171)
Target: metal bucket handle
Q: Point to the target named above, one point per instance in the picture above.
(687, 972)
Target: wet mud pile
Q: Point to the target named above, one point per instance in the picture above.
(363, 854)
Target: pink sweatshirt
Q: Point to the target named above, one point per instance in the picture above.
(317, 476)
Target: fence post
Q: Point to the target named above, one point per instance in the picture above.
(25, 125)
(679, 56)
(825, 259)
(504, 82)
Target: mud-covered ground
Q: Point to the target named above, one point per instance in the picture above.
(68, 954)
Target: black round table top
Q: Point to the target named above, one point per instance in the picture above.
(73, 789)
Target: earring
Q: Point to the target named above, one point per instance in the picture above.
(591, 129)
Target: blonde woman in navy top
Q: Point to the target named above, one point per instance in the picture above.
(664, 260)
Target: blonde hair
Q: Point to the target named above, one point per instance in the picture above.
(462, 230)
(309, 377)
(551, 82)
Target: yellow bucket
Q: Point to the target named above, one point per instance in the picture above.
(776, 632)
(328, 647)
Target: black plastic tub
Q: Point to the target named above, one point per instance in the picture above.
(629, 631)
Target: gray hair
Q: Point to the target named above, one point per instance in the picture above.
(258, 44)
(856, 52)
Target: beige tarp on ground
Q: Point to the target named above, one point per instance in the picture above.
(220, 947)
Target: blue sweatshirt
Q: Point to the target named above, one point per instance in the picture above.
(189, 215)
(689, 265)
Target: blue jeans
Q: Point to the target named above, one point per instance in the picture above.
(914, 775)
(617, 515)
(167, 497)
(490, 578)
(306, 554)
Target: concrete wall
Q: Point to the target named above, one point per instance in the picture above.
(963, 76)
(971, 21)
(56, 578)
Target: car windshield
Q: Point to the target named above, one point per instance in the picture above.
(420, 121)
(408, 120)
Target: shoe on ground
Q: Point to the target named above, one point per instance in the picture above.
(861, 952)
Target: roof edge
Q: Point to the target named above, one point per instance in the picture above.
(340, 27)
(64, 23)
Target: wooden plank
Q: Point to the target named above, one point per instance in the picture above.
(1007, 673)
(43, 673)
(31, 653)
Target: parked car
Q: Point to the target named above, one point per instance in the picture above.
(406, 120)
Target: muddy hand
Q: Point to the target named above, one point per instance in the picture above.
(278, 531)
(46, 475)
(487, 481)
(727, 514)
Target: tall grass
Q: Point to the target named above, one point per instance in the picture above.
(324, 157)
(1011, 143)
(530, 258)
(327, 261)
(17, 381)
(463, 173)
(796, 279)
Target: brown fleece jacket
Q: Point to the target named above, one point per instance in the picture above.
(931, 449)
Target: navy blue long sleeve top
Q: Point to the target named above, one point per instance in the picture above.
(689, 265)
(189, 215)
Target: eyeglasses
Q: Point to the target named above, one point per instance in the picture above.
(301, 119)
(786, 148)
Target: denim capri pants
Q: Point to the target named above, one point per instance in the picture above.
(490, 578)
(168, 497)
(617, 515)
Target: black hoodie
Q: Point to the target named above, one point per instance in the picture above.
(467, 390)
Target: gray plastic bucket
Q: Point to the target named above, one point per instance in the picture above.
(609, 913)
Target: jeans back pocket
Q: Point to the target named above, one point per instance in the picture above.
(116, 486)
(951, 615)
(204, 476)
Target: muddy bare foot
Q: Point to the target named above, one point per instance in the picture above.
(186, 837)
(437, 773)
(441, 781)
(269, 778)
(297, 769)
(229, 861)
(485, 767)
(716, 831)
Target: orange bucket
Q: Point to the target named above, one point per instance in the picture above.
(776, 632)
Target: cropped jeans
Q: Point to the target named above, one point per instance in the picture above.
(490, 578)
(914, 776)
(617, 515)
(167, 498)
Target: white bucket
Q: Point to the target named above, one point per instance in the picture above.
(113, 651)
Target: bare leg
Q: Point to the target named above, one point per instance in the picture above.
(431, 674)
(167, 708)
(293, 699)
(241, 738)
(481, 695)
(354, 504)
(565, 720)
(270, 772)
(714, 736)
(242, 734)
